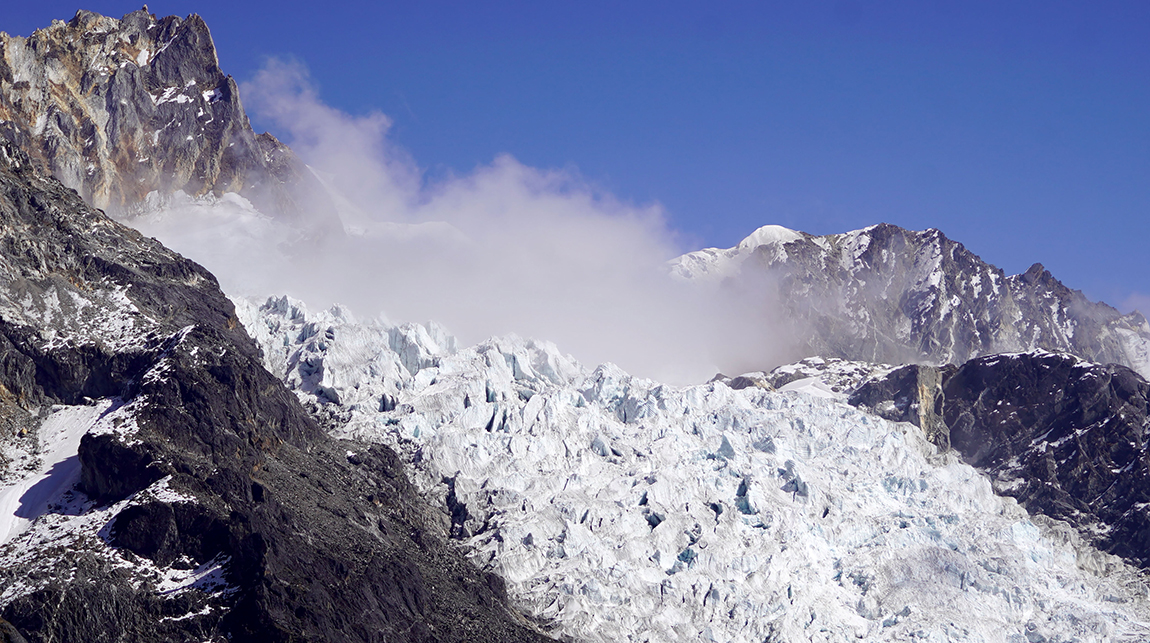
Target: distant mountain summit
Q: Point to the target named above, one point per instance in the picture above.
(122, 109)
(886, 294)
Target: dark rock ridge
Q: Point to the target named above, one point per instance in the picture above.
(1067, 438)
(208, 464)
(119, 109)
(886, 294)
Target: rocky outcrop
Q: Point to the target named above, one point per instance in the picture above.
(1067, 438)
(911, 393)
(122, 109)
(8, 634)
(199, 464)
(840, 376)
(885, 294)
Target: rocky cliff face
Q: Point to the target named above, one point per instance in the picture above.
(1067, 438)
(210, 505)
(120, 109)
(885, 294)
(911, 393)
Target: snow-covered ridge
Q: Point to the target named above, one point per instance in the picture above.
(622, 509)
(712, 265)
(885, 294)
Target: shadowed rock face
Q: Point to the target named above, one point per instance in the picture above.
(1067, 438)
(119, 109)
(314, 539)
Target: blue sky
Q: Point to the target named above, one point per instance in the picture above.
(1021, 129)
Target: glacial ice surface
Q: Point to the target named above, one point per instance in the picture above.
(620, 509)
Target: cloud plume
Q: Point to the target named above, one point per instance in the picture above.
(506, 248)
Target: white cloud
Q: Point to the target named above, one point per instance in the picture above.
(506, 248)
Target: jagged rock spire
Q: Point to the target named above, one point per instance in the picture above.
(119, 109)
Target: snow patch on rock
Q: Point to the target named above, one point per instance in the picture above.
(25, 498)
(74, 523)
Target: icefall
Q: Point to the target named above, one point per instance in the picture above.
(618, 508)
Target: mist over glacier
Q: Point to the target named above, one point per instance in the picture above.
(505, 248)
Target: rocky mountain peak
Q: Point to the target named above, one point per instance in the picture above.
(120, 109)
(887, 294)
(1035, 274)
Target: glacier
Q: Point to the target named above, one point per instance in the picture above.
(621, 509)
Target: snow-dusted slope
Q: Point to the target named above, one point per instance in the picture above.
(124, 370)
(622, 509)
(57, 469)
(885, 294)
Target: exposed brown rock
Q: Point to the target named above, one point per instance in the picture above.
(120, 109)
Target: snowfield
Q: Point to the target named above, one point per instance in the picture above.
(620, 509)
(25, 496)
